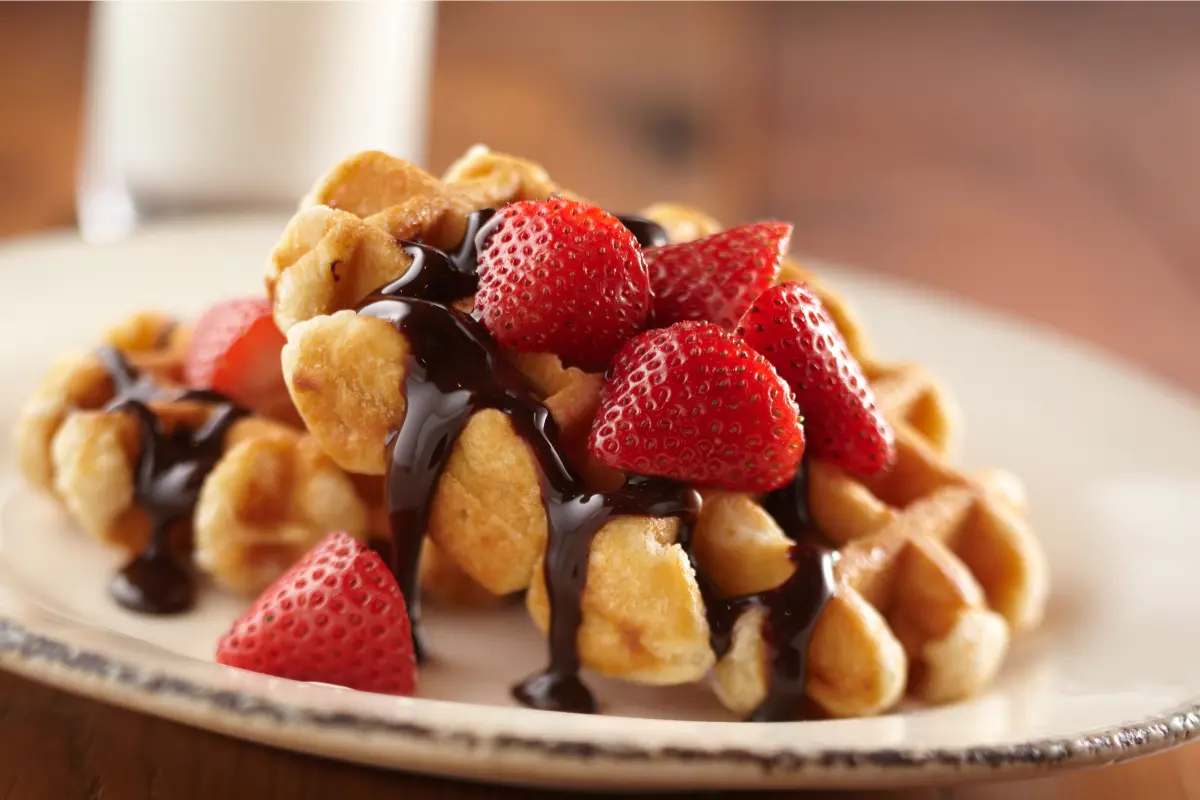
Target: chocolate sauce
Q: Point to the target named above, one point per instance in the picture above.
(573, 522)
(791, 609)
(128, 383)
(446, 281)
(648, 232)
(442, 277)
(171, 469)
(789, 506)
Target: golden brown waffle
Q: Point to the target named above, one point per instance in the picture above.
(271, 496)
(937, 569)
(442, 580)
(341, 245)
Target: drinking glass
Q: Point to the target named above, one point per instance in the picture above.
(194, 107)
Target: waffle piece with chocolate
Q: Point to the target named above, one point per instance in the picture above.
(167, 474)
(344, 241)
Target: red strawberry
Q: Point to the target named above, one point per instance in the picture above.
(335, 617)
(562, 277)
(789, 325)
(717, 277)
(235, 350)
(694, 403)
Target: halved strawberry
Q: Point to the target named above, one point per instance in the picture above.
(337, 616)
(235, 350)
(562, 277)
(692, 402)
(790, 326)
(717, 277)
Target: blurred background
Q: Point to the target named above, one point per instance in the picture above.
(1039, 158)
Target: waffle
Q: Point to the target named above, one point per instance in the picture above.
(937, 570)
(342, 243)
(271, 495)
(442, 580)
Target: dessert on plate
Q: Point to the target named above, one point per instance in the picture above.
(674, 442)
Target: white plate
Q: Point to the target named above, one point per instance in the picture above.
(1110, 458)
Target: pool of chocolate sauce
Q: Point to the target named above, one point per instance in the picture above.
(170, 471)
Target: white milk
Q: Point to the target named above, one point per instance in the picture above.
(227, 104)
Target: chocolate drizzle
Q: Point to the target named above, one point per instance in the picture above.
(791, 609)
(648, 232)
(574, 516)
(794, 607)
(448, 276)
(171, 469)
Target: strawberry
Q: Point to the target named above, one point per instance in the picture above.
(789, 325)
(337, 616)
(561, 277)
(692, 402)
(717, 277)
(235, 350)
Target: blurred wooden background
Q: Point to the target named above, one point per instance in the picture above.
(1011, 152)
(1039, 158)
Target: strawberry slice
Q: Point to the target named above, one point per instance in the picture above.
(717, 277)
(337, 616)
(235, 350)
(790, 326)
(562, 277)
(692, 402)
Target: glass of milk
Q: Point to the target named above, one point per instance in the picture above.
(234, 106)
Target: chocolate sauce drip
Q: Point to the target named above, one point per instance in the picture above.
(443, 284)
(648, 232)
(446, 350)
(789, 506)
(453, 276)
(791, 609)
(171, 469)
(455, 370)
(466, 257)
(494, 221)
(575, 516)
(128, 383)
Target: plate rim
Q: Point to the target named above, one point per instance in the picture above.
(34, 653)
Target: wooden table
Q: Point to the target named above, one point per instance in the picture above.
(1040, 159)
